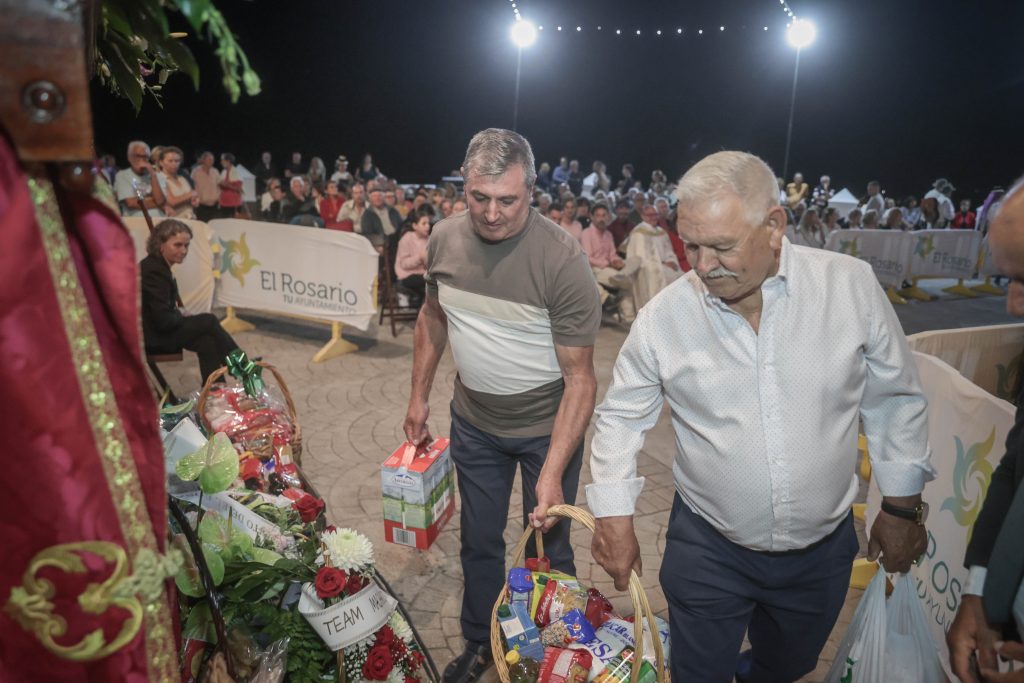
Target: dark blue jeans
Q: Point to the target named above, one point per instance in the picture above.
(787, 602)
(486, 467)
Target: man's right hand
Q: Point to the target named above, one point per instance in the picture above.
(616, 549)
(416, 430)
(968, 633)
(618, 264)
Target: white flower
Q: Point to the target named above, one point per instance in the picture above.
(396, 675)
(401, 627)
(348, 549)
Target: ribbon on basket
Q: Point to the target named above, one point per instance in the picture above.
(349, 621)
(246, 371)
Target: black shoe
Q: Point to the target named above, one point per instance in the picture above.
(469, 666)
(611, 304)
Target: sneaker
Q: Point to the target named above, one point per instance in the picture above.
(470, 665)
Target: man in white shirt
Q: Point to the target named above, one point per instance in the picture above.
(941, 191)
(138, 178)
(875, 201)
(769, 355)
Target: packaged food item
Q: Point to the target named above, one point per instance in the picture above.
(538, 564)
(564, 666)
(571, 627)
(614, 636)
(540, 579)
(599, 610)
(520, 632)
(521, 669)
(559, 597)
(620, 668)
(520, 585)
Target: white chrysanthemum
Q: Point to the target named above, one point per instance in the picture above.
(396, 675)
(401, 627)
(348, 549)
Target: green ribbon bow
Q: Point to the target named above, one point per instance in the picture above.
(250, 374)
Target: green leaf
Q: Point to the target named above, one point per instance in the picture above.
(124, 75)
(196, 11)
(183, 59)
(265, 556)
(199, 624)
(187, 579)
(215, 465)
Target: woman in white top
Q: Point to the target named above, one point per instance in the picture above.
(181, 198)
(809, 229)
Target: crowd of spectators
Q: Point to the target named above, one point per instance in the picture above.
(625, 225)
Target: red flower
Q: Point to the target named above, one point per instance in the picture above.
(330, 527)
(354, 584)
(378, 663)
(330, 582)
(385, 636)
(309, 507)
(410, 679)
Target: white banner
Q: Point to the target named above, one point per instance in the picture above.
(986, 264)
(990, 356)
(944, 253)
(886, 251)
(195, 275)
(323, 274)
(350, 620)
(967, 428)
(242, 517)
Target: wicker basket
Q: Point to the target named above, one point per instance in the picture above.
(641, 607)
(296, 442)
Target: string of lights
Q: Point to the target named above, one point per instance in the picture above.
(639, 32)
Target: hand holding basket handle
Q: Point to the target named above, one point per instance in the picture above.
(644, 616)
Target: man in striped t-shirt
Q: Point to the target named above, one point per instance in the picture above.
(515, 296)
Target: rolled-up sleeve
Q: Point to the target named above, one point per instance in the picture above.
(629, 410)
(894, 409)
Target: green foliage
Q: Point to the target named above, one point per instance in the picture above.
(215, 464)
(134, 42)
(309, 660)
(187, 579)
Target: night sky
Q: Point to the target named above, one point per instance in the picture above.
(904, 91)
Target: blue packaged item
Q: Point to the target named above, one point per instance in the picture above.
(520, 585)
(520, 632)
(571, 627)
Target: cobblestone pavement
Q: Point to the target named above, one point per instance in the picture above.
(351, 410)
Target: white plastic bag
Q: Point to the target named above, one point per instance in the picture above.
(910, 654)
(861, 655)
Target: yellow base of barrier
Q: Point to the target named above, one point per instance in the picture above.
(863, 572)
(988, 288)
(894, 297)
(859, 510)
(232, 324)
(960, 289)
(915, 292)
(335, 347)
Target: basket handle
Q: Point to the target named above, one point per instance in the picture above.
(204, 394)
(641, 607)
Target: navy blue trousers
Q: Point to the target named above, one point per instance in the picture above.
(787, 602)
(486, 468)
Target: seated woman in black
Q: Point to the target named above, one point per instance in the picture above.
(166, 328)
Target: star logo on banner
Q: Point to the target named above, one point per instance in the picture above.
(849, 247)
(925, 246)
(236, 260)
(971, 476)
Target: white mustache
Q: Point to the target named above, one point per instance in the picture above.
(719, 272)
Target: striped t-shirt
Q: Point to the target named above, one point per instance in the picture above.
(508, 303)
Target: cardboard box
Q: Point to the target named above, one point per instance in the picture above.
(418, 492)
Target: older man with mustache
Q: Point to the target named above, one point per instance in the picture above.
(770, 355)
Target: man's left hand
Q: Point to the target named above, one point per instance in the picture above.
(899, 541)
(549, 492)
(1009, 650)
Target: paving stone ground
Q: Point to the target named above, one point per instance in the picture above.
(351, 410)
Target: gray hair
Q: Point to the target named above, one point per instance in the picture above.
(137, 143)
(493, 151)
(738, 174)
(163, 231)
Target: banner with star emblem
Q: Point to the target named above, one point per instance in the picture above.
(886, 251)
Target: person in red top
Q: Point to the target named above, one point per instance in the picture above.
(965, 219)
(620, 227)
(230, 187)
(330, 205)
